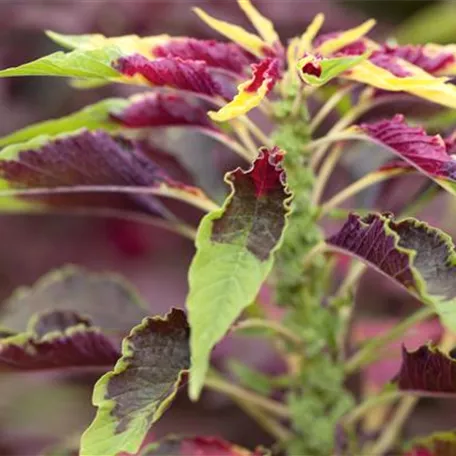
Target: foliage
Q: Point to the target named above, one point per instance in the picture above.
(267, 233)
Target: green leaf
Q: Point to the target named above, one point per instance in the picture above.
(95, 63)
(235, 246)
(107, 299)
(143, 383)
(316, 71)
(91, 118)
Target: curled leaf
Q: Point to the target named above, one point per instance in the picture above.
(56, 340)
(318, 71)
(143, 383)
(415, 255)
(437, 444)
(428, 154)
(265, 74)
(235, 247)
(427, 371)
(109, 301)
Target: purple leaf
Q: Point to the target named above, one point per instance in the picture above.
(426, 153)
(58, 340)
(157, 110)
(216, 54)
(438, 444)
(427, 371)
(171, 72)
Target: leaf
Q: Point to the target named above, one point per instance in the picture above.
(235, 247)
(427, 371)
(91, 117)
(339, 40)
(56, 340)
(160, 110)
(216, 54)
(66, 170)
(95, 63)
(195, 446)
(250, 94)
(318, 71)
(127, 44)
(110, 302)
(191, 75)
(248, 41)
(437, 444)
(415, 255)
(143, 383)
(428, 154)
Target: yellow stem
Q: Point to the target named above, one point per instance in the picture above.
(256, 131)
(325, 172)
(353, 189)
(327, 107)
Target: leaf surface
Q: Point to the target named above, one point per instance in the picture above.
(235, 247)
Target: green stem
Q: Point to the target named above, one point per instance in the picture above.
(374, 401)
(370, 351)
(275, 326)
(220, 385)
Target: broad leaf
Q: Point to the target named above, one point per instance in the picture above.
(415, 255)
(190, 75)
(56, 340)
(143, 383)
(96, 116)
(107, 299)
(427, 371)
(318, 71)
(95, 63)
(438, 444)
(235, 247)
(216, 54)
(428, 154)
(195, 446)
(65, 170)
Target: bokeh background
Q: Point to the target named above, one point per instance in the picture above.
(39, 411)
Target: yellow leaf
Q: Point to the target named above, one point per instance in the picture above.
(246, 40)
(263, 25)
(345, 38)
(305, 42)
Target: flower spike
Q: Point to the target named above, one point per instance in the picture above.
(263, 25)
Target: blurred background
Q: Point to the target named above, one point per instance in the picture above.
(36, 412)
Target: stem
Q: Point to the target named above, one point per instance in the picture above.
(343, 135)
(365, 182)
(325, 172)
(351, 278)
(327, 107)
(256, 131)
(318, 248)
(244, 135)
(358, 412)
(222, 386)
(394, 426)
(270, 425)
(235, 146)
(273, 326)
(369, 352)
